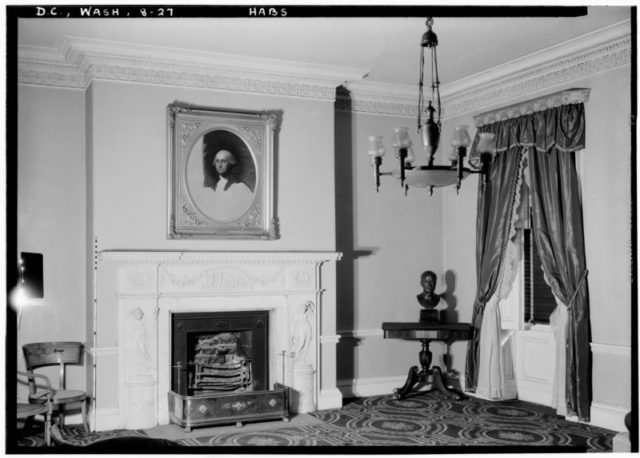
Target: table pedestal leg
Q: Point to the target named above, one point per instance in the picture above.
(434, 374)
(412, 379)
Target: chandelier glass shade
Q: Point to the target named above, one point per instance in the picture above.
(429, 128)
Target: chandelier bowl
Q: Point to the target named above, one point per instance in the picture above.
(432, 176)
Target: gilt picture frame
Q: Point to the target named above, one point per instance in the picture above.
(221, 173)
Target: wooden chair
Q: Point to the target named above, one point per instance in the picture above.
(41, 354)
(26, 411)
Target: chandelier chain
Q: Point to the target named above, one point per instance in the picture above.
(420, 88)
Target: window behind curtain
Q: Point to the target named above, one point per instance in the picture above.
(539, 302)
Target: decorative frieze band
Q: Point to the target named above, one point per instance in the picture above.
(232, 273)
(79, 61)
(45, 68)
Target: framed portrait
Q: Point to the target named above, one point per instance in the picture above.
(221, 173)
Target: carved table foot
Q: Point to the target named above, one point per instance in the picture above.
(412, 379)
(439, 384)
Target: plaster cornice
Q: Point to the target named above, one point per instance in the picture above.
(78, 61)
(562, 64)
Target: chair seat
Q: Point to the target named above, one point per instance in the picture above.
(63, 397)
(29, 410)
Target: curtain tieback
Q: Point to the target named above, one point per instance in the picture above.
(575, 293)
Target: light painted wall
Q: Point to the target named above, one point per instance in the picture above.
(129, 150)
(388, 240)
(605, 174)
(51, 216)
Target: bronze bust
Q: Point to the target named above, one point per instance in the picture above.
(428, 298)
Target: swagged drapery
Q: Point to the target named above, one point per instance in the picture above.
(550, 139)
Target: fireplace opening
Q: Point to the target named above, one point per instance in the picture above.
(219, 352)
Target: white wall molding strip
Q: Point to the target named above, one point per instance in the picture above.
(360, 333)
(103, 351)
(327, 339)
(78, 61)
(609, 349)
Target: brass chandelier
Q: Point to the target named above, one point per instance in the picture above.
(431, 176)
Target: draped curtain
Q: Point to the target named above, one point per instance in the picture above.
(551, 138)
(495, 208)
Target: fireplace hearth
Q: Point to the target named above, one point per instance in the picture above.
(219, 352)
(220, 370)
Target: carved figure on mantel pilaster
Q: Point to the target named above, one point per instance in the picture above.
(302, 333)
(138, 358)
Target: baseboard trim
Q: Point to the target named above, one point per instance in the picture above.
(608, 416)
(106, 419)
(330, 398)
(369, 386)
(535, 396)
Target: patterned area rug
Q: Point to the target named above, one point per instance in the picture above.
(75, 434)
(432, 421)
(424, 420)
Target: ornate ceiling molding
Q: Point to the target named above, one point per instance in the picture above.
(593, 53)
(47, 67)
(379, 98)
(78, 61)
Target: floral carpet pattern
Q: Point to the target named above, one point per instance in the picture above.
(424, 420)
(429, 420)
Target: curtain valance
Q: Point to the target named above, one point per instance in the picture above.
(561, 127)
(554, 120)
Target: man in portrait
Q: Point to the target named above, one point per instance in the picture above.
(228, 176)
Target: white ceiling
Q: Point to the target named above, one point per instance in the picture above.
(386, 48)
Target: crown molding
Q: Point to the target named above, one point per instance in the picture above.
(379, 98)
(79, 61)
(596, 52)
(47, 67)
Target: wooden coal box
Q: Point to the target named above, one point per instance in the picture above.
(206, 409)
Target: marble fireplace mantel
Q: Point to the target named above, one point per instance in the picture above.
(137, 291)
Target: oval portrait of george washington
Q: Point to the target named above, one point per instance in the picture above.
(221, 175)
